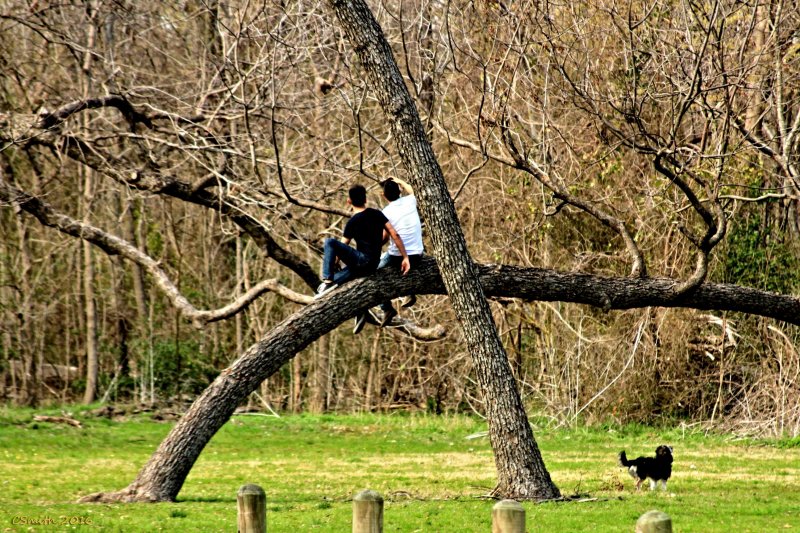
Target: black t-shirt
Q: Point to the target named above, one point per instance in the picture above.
(366, 227)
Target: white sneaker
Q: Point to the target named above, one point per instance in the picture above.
(323, 288)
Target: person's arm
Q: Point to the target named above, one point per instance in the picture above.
(405, 266)
(406, 187)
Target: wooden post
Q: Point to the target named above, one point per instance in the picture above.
(367, 512)
(508, 516)
(252, 505)
(654, 522)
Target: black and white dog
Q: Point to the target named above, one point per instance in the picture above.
(658, 468)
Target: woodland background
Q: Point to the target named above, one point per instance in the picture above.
(168, 124)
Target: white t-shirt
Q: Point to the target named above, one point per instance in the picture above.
(402, 214)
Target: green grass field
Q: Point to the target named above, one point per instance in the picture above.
(432, 477)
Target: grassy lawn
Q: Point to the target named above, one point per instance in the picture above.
(431, 476)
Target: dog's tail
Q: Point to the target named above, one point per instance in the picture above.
(623, 459)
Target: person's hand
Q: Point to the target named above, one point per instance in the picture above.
(405, 266)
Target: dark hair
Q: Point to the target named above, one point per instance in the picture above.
(358, 195)
(391, 190)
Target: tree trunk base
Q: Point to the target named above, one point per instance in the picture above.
(527, 492)
(127, 495)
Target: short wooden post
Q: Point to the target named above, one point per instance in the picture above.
(252, 505)
(367, 512)
(654, 522)
(508, 516)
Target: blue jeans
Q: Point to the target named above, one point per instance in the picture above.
(384, 262)
(394, 261)
(356, 263)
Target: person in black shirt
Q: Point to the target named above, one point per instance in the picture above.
(366, 226)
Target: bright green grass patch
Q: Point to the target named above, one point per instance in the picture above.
(432, 476)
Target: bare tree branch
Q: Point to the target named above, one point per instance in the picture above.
(522, 162)
(114, 245)
(132, 116)
(155, 181)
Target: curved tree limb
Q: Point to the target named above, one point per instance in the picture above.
(114, 245)
(515, 282)
(117, 101)
(164, 474)
(714, 220)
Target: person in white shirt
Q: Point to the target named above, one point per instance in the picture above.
(403, 216)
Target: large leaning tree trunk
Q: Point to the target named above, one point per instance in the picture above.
(521, 473)
(164, 473)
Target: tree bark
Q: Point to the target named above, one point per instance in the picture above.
(521, 472)
(92, 357)
(91, 314)
(372, 373)
(29, 387)
(319, 399)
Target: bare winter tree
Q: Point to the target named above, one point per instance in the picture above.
(219, 137)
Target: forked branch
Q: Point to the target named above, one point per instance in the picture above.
(523, 162)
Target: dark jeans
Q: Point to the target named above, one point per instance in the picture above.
(356, 263)
(394, 261)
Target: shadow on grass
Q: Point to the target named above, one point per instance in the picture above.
(206, 499)
(232, 499)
